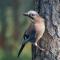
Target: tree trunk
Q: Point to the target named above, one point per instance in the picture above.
(50, 10)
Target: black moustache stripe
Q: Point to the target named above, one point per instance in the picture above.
(31, 17)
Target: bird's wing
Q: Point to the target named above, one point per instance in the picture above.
(29, 35)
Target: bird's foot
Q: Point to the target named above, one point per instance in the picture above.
(39, 47)
(42, 49)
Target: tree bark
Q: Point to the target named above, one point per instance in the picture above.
(50, 11)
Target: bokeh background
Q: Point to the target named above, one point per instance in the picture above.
(12, 26)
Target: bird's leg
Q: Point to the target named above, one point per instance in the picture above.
(39, 47)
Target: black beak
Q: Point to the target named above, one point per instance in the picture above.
(25, 14)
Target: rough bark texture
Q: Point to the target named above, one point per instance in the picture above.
(50, 10)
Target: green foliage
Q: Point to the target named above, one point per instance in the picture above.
(25, 55)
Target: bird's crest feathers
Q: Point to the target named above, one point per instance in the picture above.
(32, 12)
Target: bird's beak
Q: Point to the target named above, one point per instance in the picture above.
(25, 14)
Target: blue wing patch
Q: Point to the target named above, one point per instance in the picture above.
(30, 36)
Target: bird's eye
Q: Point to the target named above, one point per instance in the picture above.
(31, 14)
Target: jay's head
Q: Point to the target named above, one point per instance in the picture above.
(32, 14)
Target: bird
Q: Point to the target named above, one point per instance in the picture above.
(35, 31)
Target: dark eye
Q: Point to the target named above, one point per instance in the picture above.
(32, 15)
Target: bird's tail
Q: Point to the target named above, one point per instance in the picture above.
(22, 46)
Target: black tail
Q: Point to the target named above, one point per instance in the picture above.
(21, 49)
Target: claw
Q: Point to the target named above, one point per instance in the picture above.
(39, 47)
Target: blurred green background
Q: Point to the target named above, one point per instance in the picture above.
(12, 26)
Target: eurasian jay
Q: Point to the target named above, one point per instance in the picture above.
(35, 31)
